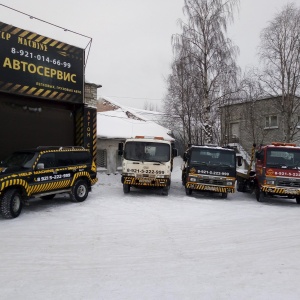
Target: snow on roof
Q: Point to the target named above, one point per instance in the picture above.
(119, 123)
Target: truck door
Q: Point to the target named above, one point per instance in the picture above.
(53, 176)
(43, 179)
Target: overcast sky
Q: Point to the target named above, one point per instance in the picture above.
(131, 50)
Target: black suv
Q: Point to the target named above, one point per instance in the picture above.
(44, 172)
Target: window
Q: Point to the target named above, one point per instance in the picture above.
(64, 159)
(81, 157)
(147, 151)
(271, 122)
(102, 158)
(48, 159)
(17, 159)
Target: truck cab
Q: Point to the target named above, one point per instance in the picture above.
(209, 168)
(147, 162)
(277, 171)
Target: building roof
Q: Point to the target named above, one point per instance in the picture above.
(115, 121)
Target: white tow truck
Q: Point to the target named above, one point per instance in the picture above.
(147, 162)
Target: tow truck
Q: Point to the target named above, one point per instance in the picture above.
(209, 168)
(147, 162)
(276, 173)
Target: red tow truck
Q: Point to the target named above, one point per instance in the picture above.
(276, 174)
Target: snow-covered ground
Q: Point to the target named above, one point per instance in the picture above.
(144, 245)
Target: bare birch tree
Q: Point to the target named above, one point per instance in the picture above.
(280, 53)
(211, 56)
(250, 93)
(179, 101)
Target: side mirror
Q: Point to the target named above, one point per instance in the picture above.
(40, 166)
(239, 161)
(120, 149)
(259, 155)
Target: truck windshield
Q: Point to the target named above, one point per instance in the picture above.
(213, 157)
(283, 158)
(19, 159)
(147, 151)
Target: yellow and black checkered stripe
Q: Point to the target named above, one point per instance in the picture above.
(13, 182)
(36, 92)
(212, 188)
(93, 181)
(94, 147)
(79, 127)
(154, 183)
(45, 186)
(50, 186)
(86, 175)
(280, 191)
(62, 48)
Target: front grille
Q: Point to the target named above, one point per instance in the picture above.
(289, 183)
(211, 181)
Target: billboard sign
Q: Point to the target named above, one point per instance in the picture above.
(38, 66)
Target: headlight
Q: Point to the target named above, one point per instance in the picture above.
(272, 182)
(128, 174)
(193, 179)
(229, 183)
(160, 176)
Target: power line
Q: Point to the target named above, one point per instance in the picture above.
(49, 23)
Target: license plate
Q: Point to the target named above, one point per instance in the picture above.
(211, 188)
(145, 180)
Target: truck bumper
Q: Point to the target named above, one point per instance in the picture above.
(283, 191)
(211, 188)
(150, 182)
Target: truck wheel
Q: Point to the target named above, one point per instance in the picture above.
(224, 195)
(298, 200)
(183, 179)
(188, 191)
(11, 204)
(126, 188)
(165, 190)
(259, 194)
(79, 191)
(240, 186)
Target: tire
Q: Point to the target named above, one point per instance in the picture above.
(183, 179)
(11, 204)
(48, 197)
(165, 191)
(259, 194)
(188, 191)
(126, 188)
(79, 191)
(240, 186)
(224, 195)
(298, 200)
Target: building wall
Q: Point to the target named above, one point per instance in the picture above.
(90, 97)
(248, 121)
(113, 160)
